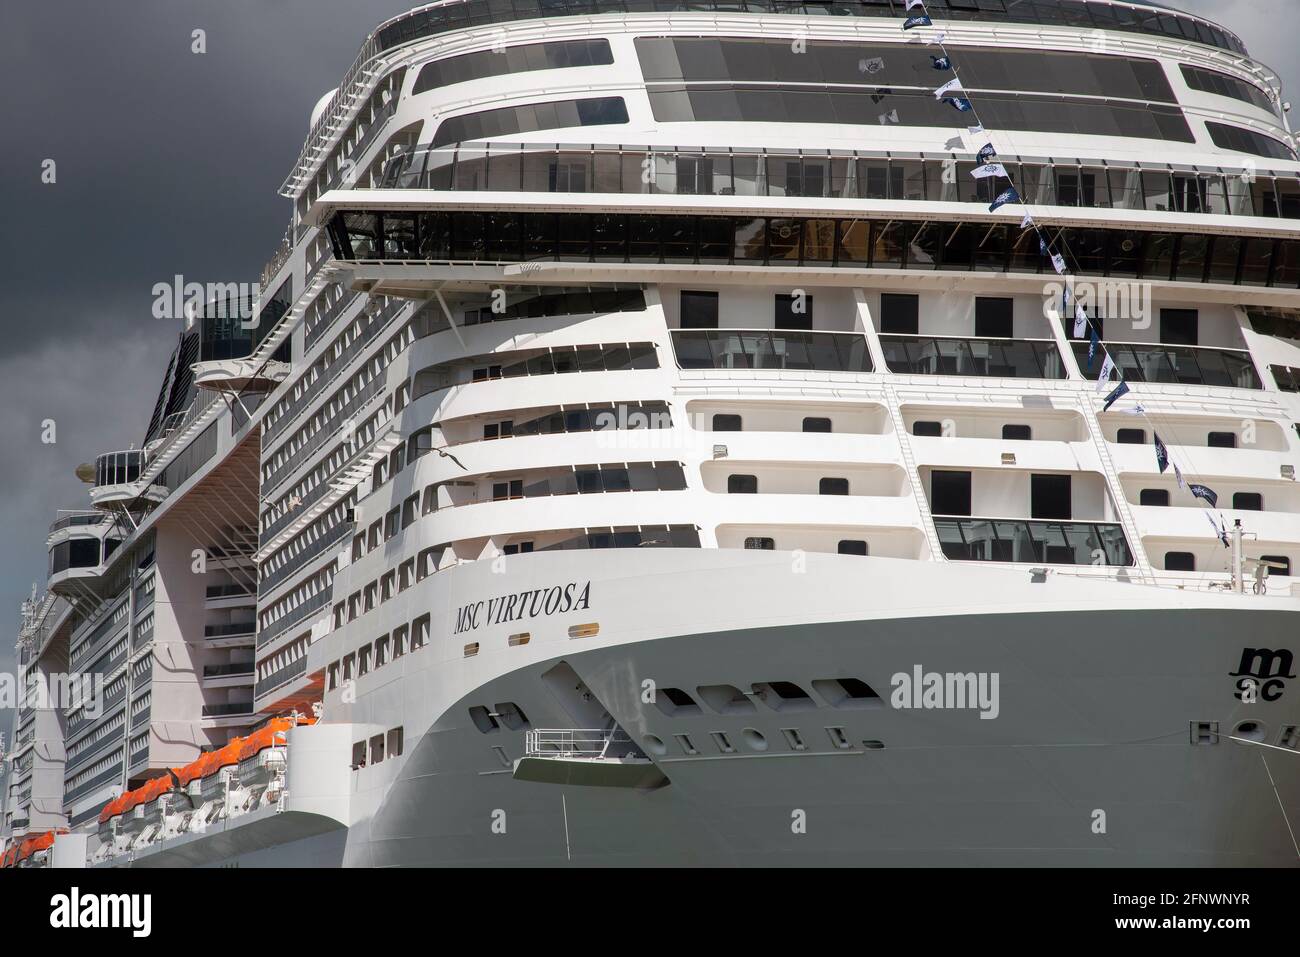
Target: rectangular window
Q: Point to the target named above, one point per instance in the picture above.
(993, 318)
(723, 422)
(742, 484)
(699, 310)
(816, 424)
(1017, 433)
(852, 546)
(1178, 327)
(1154, 496)
(1248, 501)
(1180, 562)
(927, 428)
(1222, 440)
(833, 486)
(950, 493)
(1050, 496)
(900, 314)
(1131, 437)
(794, 312)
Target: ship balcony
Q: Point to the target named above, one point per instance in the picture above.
(230, 634)
(963, 356)
(235, 375)
(779, 349)
(236, 674)
(586, 757)
(117, 479)
(227, 713)
(228, 595)
(1032, 541)
(1176, 365)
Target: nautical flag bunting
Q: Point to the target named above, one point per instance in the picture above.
(1107, 367)
(1204, 492)
(920, 20)
(1008, 195)
(1116, 394)
(1162, 454)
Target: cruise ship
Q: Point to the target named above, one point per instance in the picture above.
(727, 432)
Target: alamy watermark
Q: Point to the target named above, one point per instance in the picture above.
(56, 691)
(179, 299)
(947, 690)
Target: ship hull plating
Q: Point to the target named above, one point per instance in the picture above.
(1097, 748)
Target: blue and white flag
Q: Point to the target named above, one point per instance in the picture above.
(1178, 474)
(952, 86)
(1220, 530)
(1058, 263)
(959, 103)
(1204, 492)
(1080, 321)
(920, 20)
(1107, 367)
(940, 62)
(913, 4)
(1027, 221)
(1162, 454)
(1116, 394)
(1008, 195)
(1093, 343)
(1138, 409)
(990, 169)
(1043, 247)
(986, 153)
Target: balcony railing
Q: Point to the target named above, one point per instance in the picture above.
(1178, 365)
(950, 355)
(226, 671)
(227, 710)
(226, 631)
(1037, 541)
(771, 349)
(281, 677)
(847, 174)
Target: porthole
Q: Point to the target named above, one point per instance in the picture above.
(754, 739)
(654, 744)
(1250, 730)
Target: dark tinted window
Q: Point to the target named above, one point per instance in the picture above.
(1248, 141)
(993, 318)
(1178, 327)
(833, 486)
(1222, 440)
(764, 544)
(1020, 433)
(1180, 562)
(899, 314)
(852, 546)
(1212, 81)
(1248, 501)
(950, 493)
(519, 59)
(1153, 496)
(927, 428)
(742, 484)
(699, 310)
(816, 424)
(794, 311)
(509, 120)
(1278, 560)
(1049, 496)
(724, 422)
(1131, 437)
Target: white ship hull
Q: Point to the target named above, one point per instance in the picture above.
(1100, 684)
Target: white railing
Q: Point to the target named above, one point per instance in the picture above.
(589, 743)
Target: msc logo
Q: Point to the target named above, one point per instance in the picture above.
(1262, 674)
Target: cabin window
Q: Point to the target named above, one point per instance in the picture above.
(1154, 496)
(742, 484)
(816, 424)
(927, 428)
(1180, 562)
(1222, 440)
(852, 546)
(833, 486)
(1131, 437)
(726, 422)
(1017, 433)
(1248, 501)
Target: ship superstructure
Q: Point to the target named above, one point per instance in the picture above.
(647, 399)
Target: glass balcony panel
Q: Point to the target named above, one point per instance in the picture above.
(1033, 542)
(949, 355)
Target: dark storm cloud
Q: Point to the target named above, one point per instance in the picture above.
(167, 162)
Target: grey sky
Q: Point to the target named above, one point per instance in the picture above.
(168, 162)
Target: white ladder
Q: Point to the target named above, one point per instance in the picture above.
(913, 474)
(1116, 489)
